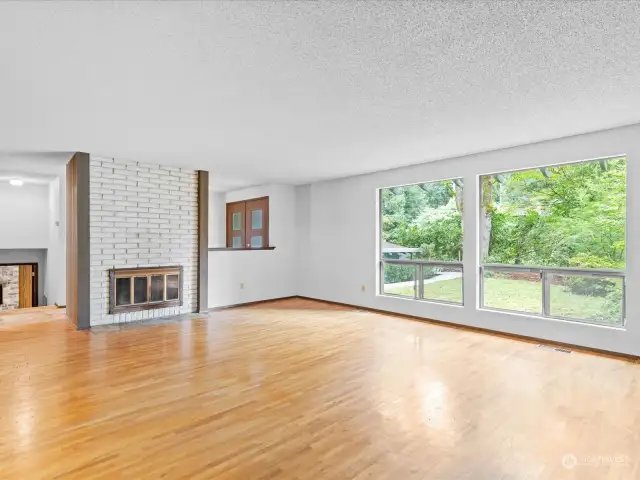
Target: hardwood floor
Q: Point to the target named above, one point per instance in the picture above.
(305, 390)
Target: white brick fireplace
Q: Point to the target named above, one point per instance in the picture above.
(141, 215)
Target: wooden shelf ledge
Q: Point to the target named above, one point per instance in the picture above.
(244, 249)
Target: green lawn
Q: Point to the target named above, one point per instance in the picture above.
(519, 295)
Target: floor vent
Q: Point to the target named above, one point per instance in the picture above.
(556, 349)
(563, 350)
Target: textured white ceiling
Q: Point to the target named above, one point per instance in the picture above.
(298, 91)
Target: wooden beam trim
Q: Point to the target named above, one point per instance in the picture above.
(78, 242)
(83, 239)
(203, 242)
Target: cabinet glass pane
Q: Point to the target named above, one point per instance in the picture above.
(157, 288)
(123, 291)
(587, 298)
(256, 242)
(515, 291)
(236, 242)
(399, 280)
(256, 219)
(173, 289)
(140, 290)
(236, 221)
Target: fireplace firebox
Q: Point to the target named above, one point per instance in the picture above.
(144, 288)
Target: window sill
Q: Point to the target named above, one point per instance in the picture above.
(573, 321)
(244, 249)
(422, 300)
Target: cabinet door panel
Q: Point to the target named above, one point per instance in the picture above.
(257, 223)
(235, 225)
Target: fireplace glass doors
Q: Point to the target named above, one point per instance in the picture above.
(145, 288)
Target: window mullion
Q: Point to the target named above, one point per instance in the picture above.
(546, 294)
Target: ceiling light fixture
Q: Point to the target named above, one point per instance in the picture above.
(16, 182)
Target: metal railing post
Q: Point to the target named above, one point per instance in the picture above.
(546, 294)
(624, 300)
(481, 288)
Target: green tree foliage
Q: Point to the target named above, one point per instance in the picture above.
(567, 216)
(440, 239)
(424, 217)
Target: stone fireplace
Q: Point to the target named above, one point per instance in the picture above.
(9, 288)
(145, 288)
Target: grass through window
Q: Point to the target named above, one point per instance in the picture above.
(525, 296)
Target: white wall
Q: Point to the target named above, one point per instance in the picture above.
(217, 219)
(263, 274)
(55, 284)
(24, 216)
(303, 239)
(340, 226)
(24, 229)
(31, 222)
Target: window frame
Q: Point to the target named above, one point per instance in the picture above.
(546, 272)
(246, 231)
(417, 264)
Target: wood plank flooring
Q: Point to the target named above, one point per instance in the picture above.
(298, 389)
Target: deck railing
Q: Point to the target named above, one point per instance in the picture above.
(548, 276)
(419, 267)
(558, 275)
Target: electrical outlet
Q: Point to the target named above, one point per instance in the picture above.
(242, 286)
(363, 288)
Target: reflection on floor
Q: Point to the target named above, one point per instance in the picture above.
(300, 389)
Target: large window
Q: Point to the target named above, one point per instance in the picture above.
(552, 241)
(421, 241)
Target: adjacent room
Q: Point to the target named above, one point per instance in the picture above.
(31, 237)
(320, 239)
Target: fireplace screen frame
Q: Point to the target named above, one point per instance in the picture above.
(144, 272)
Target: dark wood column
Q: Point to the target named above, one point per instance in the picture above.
(203, 241)
(78, 254)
